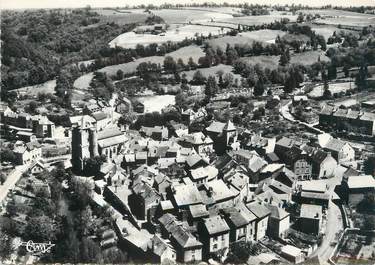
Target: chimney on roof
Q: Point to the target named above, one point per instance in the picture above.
(210, 191)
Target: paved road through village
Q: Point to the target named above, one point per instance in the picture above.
(334, 223)
(11, 181)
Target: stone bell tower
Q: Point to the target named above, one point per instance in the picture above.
(84, 143)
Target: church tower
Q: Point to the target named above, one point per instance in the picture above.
(84, 143)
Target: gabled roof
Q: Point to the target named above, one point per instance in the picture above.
(198, 210)
(83, 121)
(159, 246)
(238, 180)
(273, 157)
(258, 141)
(32, 145)
(37, 164)
(229, 126)
(100, 115)
(186, 195)
(293, 154)
(340, 113)
(367, 116)
(257, 163)
(270, 197)
(111, 141)
(166, 205)
(215, 225)
(286, 142)
(311, 211)
(216, 127)
(109, 132)
(183, 237)
(362, 181)
(335, 144)
(277, 212)
(327, 110)
(259, 210)
(149, 194)
(220, 191)
(208, 172)
(278, 186)
(236, 217)
(319, 156)
(192, 160)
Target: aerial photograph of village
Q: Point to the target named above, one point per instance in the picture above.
(182, 132)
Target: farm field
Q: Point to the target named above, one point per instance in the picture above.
(345, 18)
(223, 10)
(45, 88)
(121, 18)
(174, 34)
(259, 20)
(83, 82)
(231, 40)
(243, 38)
(270, 62)
(184, 53)
(328, 30)
(181, 16)
(265, 35)
(348, 21)
(308, 58)
(212, 71)
(295, 37)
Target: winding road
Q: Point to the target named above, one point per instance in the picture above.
(11, 180)
(284, 111)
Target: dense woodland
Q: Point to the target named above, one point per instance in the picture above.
(37, 44)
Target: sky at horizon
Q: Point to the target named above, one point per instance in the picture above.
(24, 4)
